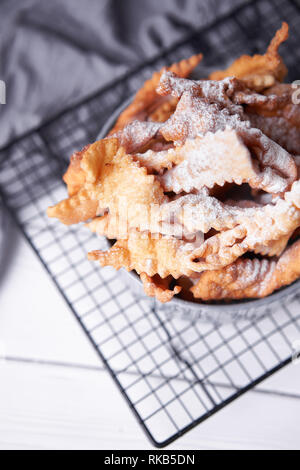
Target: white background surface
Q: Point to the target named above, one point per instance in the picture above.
(55, 394)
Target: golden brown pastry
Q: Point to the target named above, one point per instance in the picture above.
(198, 182)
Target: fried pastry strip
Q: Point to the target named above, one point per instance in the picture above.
(199, 213)
(158, 161)
(74, 177)
(281, 124)
(195, 117)
(202, 212)
(80, 207)
(274, 107)
(293, 196)
(88, 164)
(229, 93)
(259, 71)
(114, 181)
(151, 254)
(255, 232)
(164, 110)
(148, 254)
(249, 278)
(157, 287)
(137, 134)
(83, 202)
(216, 159)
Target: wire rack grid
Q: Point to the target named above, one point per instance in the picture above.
(174, 372)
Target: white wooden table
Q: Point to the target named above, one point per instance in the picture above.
(55, 394)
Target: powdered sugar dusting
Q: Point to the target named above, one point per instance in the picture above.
(137, 134)
(215, 159)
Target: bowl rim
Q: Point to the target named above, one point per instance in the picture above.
(236, 307)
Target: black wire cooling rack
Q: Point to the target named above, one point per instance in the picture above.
(173, 372)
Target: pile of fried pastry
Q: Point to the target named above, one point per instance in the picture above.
(198, 182)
